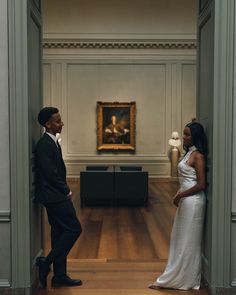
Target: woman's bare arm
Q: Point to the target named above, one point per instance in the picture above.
(199, 165)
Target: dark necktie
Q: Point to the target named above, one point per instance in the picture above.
(59, 147)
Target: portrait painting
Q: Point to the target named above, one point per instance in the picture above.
(116, 126)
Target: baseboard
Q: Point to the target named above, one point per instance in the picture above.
(222, 291)
(7, 290)
(4, 283)
(205, 285)
(18, 291)
(217, 290)
(151, 177)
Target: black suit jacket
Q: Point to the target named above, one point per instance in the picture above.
(50, 181)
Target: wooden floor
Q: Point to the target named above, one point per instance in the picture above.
(115, 278)
(121, 250)
(124, 233)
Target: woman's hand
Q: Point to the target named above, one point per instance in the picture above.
(177, 198)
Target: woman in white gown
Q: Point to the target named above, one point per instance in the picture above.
(183, 270)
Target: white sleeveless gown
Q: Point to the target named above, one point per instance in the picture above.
(183, 270)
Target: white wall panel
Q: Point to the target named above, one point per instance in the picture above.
(150, 90)
(188, 94)
(112, 50)
(47, 87)
(164, 93)
(88, 84)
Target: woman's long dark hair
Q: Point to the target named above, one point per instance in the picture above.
(199, 138)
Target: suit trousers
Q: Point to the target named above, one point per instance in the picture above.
(65, 230)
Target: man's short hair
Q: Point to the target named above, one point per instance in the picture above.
(45, 114)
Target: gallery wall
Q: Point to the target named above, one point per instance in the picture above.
(103, 52)
(116, 18)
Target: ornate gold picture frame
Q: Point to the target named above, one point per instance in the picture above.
(116, 126)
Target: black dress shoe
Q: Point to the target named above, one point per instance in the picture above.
(43, 271)
(58, 282)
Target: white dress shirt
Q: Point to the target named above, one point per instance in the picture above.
(53, 137)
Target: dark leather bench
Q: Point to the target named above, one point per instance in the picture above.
(131, 187)
(97, 186)
(124, 185)
(130, 168)
(97, 168)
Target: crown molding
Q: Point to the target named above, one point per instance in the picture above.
(118, 44)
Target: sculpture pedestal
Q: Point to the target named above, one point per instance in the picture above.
(174, 161)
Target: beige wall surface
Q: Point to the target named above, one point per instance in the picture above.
(165, 99)
(120, 18)
(160, 79)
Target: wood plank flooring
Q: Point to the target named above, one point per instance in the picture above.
(115, 278)
(124, 233)
(121, 250)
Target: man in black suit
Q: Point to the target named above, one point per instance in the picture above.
(53, 192)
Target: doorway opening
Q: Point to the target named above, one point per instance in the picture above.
(93, 56)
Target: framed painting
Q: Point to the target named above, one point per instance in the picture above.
(116, 126)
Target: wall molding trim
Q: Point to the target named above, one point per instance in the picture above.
(222, 155)
(221, 290)
(115, 158)
(118, 44)
(155, 168)
(4, 283)
(77, 155)
(233, 218)
(233, 283)
(5, 216)
(19, 15)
